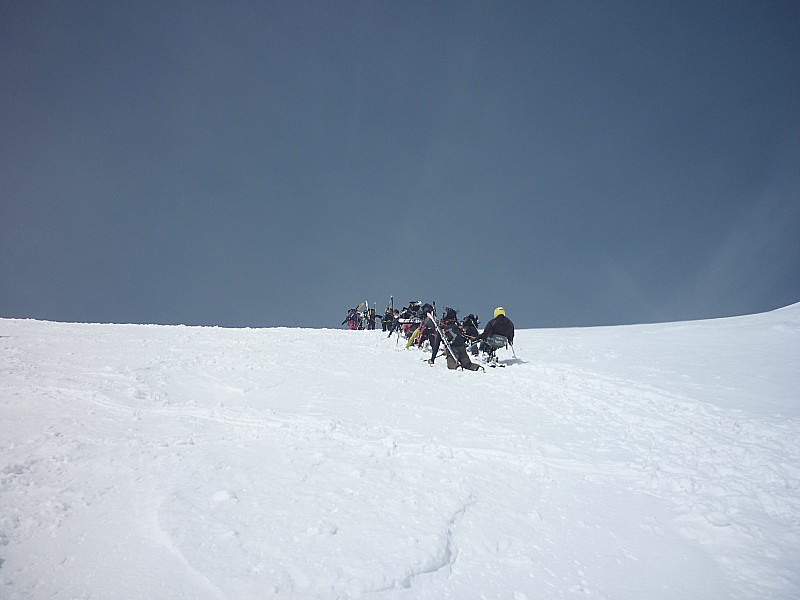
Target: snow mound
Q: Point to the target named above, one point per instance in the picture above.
(651, 461)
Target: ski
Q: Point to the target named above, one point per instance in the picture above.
(444, 339)
(413, 338)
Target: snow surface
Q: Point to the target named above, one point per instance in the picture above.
(639, 462)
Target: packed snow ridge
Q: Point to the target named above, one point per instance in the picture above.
(653, 461)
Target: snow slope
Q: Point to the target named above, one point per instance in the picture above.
(653, 461)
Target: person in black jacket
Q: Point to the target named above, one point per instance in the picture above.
(498, 332)
(455, 338)
(469, 325)
(394, 322)
(427, 328)
(500, 325)
(370, 319)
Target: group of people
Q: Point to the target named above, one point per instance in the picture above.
(361, 319)
(419, 324)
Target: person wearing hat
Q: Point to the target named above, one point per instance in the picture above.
(497, 332)
(394, 322)
(500, 325)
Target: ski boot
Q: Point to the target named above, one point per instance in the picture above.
(491, 358)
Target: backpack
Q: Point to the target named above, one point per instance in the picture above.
(497, 341)
(470, 326)
(453, 333)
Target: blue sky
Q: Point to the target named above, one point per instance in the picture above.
(274, 163)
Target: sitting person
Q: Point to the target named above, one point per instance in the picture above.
(498, 333)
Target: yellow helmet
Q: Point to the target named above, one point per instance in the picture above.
(499, 311)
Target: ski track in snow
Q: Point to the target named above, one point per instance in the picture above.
(176, 462)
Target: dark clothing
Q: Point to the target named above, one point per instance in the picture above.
(411, 311)
(394, 323)
(501, 325)
(470, 327)
(353, 319)
(463, 360)
(453, 335)
(433, 338)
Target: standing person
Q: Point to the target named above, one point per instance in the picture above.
(435, 340)
(386, 321)
(371, 318)
(352, 319)
(470, 327)
(452, 333)
(394, 323)
(499, 331)
(427, 328)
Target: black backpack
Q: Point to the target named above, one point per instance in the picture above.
(452, 332)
